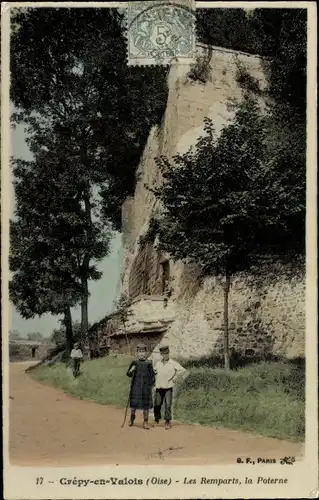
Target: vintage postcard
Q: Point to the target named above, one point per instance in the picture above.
(159, 256)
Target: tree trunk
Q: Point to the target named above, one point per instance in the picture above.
(126, 337)
(84, 306)
(226, 326)
(84, 277)
(68, 330)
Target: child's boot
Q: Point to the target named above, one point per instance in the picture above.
(168, 424)
(131, 422)
(145, 423)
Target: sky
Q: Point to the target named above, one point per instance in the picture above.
(103, 292)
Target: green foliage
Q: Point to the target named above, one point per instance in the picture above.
(260, 398)
(229, 28)
(72, 59)
(122, 306)
(151, 233)
(92, 113)
(200, 70)
(123, 302)
(14, 335)
(35, 336)
(265, 398)
(286, 376)
(58, 335)
(230, 202)
(54, 243)
(282, 37)
(49, 238)
(103, 380)
(246, 81)
(87, 115)
(279, 35)
(74, 82)
(227, 202)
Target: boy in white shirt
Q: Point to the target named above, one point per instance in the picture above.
(167, 371)
(76, 356)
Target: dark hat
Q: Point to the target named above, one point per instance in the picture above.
(164, 348)
(141, 347)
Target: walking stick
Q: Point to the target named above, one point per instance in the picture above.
(127, 405)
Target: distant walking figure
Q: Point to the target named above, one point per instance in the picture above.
(143, 378)
(77, 357)
(167, 371)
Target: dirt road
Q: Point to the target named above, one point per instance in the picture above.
(48, 427)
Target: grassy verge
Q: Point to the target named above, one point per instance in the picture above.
(102, 380)
(265, 398)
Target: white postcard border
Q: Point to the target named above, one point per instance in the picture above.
(20, 482)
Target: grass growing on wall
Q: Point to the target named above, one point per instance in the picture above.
(265, 398)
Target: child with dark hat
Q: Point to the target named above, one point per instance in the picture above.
(143, 379)
(167, 371)
(76, 357)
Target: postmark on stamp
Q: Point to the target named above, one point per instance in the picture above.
(161, 32)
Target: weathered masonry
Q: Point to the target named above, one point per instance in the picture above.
(28, 350)
(170, 303)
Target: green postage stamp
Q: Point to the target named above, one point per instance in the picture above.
(161, 32)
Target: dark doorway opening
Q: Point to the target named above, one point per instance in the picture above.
(165, 274)
(33, 351)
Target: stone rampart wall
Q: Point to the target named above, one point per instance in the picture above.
(267, 315)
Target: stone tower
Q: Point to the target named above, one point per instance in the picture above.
(267, 317)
